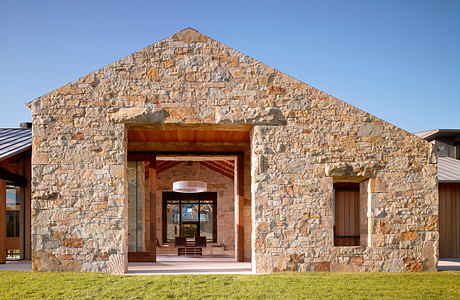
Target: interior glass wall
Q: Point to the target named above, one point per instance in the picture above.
(136, 207)
(189, 215)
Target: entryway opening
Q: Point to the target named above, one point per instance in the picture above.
(193, 232)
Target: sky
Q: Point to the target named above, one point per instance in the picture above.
(396, 59)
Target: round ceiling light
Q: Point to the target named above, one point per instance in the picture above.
(189, 186)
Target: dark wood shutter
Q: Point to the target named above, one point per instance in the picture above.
(346, 217)
(449, 220)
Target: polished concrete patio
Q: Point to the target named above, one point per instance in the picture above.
(179, 265)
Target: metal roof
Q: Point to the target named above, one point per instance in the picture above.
(14, 141)
(430, 135)
(448, 169)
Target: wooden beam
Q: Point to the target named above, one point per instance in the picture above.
(229, 163)
(16, 179)
(168, 166)
(2, 221)
(153, 206)
(187, 147)
(214, 168)
(223, 166)
(143, 154)
(139, 156)
(240, 219)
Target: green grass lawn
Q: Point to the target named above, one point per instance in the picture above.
(441, 285)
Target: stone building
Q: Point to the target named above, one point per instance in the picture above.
(318, 185)
(447, 145)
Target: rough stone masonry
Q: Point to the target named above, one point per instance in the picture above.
(302, 141)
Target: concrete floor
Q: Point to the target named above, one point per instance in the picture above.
(173, 265)
(206, 264)
(445, 264)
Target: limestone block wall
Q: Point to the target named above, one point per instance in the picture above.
(216, 183)
(294, 171)
(302, 140)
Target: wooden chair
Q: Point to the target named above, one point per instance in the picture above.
(180, 241)
(160, 245)
(200, 241)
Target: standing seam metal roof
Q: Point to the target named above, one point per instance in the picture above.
(448, 169)
(14, 141)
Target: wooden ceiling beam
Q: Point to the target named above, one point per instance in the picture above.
(218, 170)
(168, 166)
(219, 165)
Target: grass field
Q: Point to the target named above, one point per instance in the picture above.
(441, 285)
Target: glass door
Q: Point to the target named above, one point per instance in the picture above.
(189, 215)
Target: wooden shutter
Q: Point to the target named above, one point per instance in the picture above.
(449, 220)
(346, 217)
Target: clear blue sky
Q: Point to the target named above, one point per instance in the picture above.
(398, 60)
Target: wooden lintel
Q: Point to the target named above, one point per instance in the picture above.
(186, 147)
(135, 154)
(13, 178)
(140, 156)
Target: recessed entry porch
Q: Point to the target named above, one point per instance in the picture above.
(159, 217)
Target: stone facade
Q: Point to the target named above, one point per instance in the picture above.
(302, 140)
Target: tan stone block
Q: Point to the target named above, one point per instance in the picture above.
(190, 77)
(168, 63)
(152, 73)
(323, 266)
(139, 98)
(65, 257)
(72, 242)
(407, 236)
(117, 171)
(40, 159)
(383, 227)
(276, 90)
(357, 260)
(78, 136)
(342, 267)
(413, 265)
(214, 85)
(432, 223)
(35, 144)
(430, 255)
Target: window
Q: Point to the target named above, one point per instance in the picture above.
(189, 215)
(346, 214)
(13, 207)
